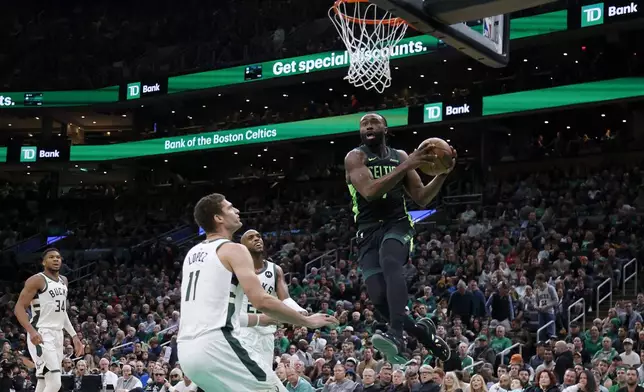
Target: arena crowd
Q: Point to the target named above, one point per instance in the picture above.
(482, 279)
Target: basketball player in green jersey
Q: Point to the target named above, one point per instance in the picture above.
(378, 177)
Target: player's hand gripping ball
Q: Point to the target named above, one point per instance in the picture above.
(444, 157)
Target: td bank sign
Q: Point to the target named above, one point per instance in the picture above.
(435, 112)
(136, 90)
(32, 154)
(598, 13)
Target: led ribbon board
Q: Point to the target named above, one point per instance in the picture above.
(416, 46)
(233, 137)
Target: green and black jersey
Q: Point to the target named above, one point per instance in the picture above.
(392, 205)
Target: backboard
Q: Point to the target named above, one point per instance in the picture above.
(446, 20)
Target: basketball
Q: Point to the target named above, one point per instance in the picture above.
(444, 157)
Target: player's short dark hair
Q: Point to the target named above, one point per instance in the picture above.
(384, 120)
(47, 251)
(205, 210)
(540, 278)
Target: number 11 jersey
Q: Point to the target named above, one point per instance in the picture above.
(211, 296)
(49, 307)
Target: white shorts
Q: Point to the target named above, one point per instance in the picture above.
(48, 355)
(218, 362)
(261, 343)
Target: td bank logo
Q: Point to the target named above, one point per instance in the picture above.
(28, 154)
(592, 15)
(133, 91)
(433, 112)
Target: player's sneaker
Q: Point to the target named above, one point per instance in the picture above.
(390, 346)
(434, 343)
(428, 324)
(441, 349)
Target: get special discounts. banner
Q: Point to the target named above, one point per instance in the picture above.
(408, 47)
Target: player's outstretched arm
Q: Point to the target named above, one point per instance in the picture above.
(282, 292)
(32, 286)
(419, 193)
(255, 320)
(237, 259)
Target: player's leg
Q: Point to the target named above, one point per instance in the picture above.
(262, 344)
(267, 353)
(39, 363)
(394, 254)
(51, 356)
(219, 363)
(368, 243)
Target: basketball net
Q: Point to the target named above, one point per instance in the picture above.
(369, 34)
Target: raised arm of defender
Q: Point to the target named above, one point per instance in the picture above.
(372, 189)
(237, 258)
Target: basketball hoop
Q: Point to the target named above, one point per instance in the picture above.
(369, 33)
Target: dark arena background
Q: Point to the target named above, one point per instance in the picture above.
(115, 119)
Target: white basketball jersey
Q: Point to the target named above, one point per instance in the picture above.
(268, 278)
(49, 307)
(211, 296)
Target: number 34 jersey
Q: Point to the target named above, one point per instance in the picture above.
(49, 307)
(211, 296)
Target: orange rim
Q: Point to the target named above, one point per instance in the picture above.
(389, 21)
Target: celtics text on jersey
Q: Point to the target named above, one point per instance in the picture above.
(392, 205)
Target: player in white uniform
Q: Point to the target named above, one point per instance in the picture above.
(216, 273)
(262, 338)
(46, 294)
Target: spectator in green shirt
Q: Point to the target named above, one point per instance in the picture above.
(421, 312)
(281, 341)
(295, 289)
(499, 341)
(324, 308)
(620, 380)
(593, 343)
(311, 288)
(466, 360)
(428, 299)
(607, 352)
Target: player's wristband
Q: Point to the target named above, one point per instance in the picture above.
(243, 320)
(293, 305)
(256, 321)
